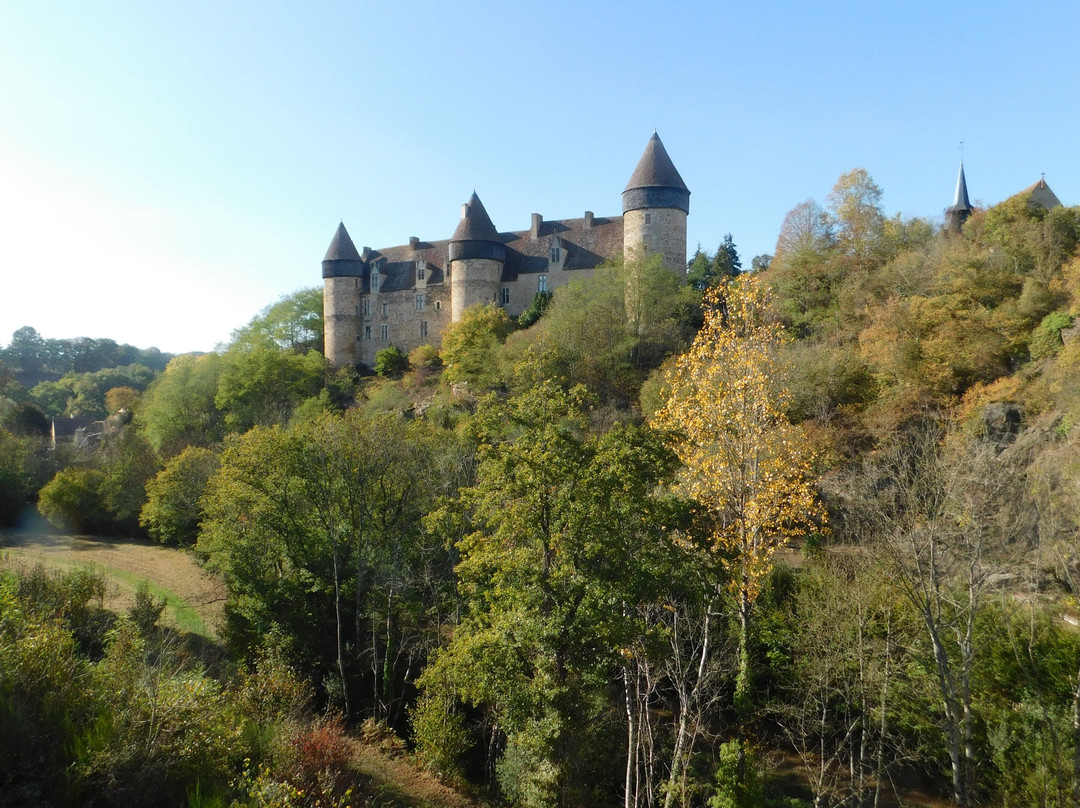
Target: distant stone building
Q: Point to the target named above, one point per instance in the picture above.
(407, 296)
(1038, 195)
(83, 432)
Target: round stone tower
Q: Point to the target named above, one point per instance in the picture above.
(477, 257)
(343, 280)
(655, 205)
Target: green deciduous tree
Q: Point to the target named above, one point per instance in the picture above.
(608, 331)
(173, 506)
(391, 362)
(263, 385)
(470, 346)
(558, 532)
(72, 500)
(318, 523)
(293, 323)
(178, 409)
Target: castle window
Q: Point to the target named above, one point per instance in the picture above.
(419, 302)
(505, 295)
(648, 218)
(385, 309)
(375, 280)
(555, 255)
(541, 283)
(367, 308)
(385, 331)
(420, 272)
(367, 332)
(438, 305)
(423, 329)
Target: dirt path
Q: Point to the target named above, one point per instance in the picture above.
(189, 589)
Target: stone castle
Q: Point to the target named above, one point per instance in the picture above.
(407, 296)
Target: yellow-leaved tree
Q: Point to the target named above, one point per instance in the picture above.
(745, 465)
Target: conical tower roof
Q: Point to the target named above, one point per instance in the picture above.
(655, 169)
(960, 198)
(475, 224)
(342, 247)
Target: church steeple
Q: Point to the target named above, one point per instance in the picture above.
(956, 215)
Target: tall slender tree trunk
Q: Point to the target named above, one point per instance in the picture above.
(631, 691)
(340, 635)
(1076, 742)
(688, 704)
(742, 682)
(879, 754)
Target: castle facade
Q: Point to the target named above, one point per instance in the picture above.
(407, 296)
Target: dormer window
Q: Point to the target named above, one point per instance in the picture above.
(419, 272)
(556, 252)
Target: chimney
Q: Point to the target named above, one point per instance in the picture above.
(414, 242)
(365, 253)
(534, 231)
(588, 220)
(464, 209)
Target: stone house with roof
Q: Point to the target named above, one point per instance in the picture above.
(408, 295)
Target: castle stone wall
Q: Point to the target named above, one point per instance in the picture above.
(472, 281)
(340, 299)
(661, 230)
(404, 321)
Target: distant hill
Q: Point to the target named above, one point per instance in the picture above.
(32, 358)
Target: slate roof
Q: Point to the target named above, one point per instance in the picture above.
(341, 246)
(584, 248)
(475, 225)
(655, 169)
(960, 198)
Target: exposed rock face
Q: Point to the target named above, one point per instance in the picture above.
(1002, 422)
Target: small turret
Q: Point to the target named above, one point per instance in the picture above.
(477, 257)
(656, 202)
(342, 258)
(343, 278)
(961, 209)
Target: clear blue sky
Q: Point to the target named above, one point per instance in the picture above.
(168, 169)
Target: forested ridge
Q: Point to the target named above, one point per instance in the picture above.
(799, 535)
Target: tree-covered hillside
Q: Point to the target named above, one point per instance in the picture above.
(800, 535)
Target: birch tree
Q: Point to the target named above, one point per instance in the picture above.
(747, 468)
